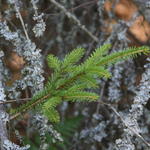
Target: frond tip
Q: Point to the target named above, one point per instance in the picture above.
(53, 62)
(73, 57)
(122, 55)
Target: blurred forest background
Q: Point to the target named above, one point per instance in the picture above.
(30, 30)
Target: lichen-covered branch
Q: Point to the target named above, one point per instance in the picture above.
(72, 17)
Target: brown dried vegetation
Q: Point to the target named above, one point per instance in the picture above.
(126, 10)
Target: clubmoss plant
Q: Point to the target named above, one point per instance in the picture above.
(71, 81)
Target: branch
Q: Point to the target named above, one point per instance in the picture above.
(14, 100)
(28, 107)
(72, 17)
(22, 22)
(126, 125)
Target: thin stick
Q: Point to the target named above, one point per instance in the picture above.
(71, 16)
(29, 107)
(22, 22)
(126, 125)
(82, 5)
(16, 100)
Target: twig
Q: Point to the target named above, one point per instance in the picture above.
(22, 22)
(71, 16)
(126, 125)
(73, 8)
(31, 105)
(87, 53)
(84, 4)
(16, 100)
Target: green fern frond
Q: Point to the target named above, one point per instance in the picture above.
(66, 82)
(67, 128)
(77, 86)
(89, 81)
(73, 57)
(81, 96)
(52, 102)
(52, 114)
(123, 55)
(97, 54)
(98, 71)
(49, 109)
(53, 62)
(70, 80)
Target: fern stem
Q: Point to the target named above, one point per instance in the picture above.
(38, 101)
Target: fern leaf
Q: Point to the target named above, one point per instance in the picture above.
(52, 115)
(73, 77)
(98, 71)
(49, 109)
(52, 102)
(77, 87)
(125, 54)
(67, 129)
(53, 62)
(69, 80)
(89, 81)
(73, 57)
(81, 96)
(97, 54)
